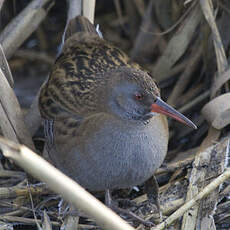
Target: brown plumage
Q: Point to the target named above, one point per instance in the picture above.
(101, 112)
(81, 66)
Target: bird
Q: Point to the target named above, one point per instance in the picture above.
(104, 120)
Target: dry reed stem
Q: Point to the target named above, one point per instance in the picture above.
(46, 223)
(186, 75)
(23, 25)
(220, 81)
(178, 44)
(146, 39)
(207, 8)
(81, 7)
(71, 222)
(23, 220)
(89, 9)
(1, 3)
(74, 9)
(32, 221)
(5, 67)
(191, 104)
(12, 124)
(16, 191)
(208, 189)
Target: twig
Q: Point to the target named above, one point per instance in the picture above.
(23, 220)
(174, 166)
(32, 221)
(9, 173)
(16, 191)
(32, 207)
(194, 102)
(168, 208)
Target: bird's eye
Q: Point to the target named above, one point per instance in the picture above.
(138, 96)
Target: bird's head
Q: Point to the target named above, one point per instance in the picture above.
(133, 95)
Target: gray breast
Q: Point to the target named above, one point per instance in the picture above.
(117, 156)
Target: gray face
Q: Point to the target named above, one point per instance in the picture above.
(129, 101)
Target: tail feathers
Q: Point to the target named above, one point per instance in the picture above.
(79, 24)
